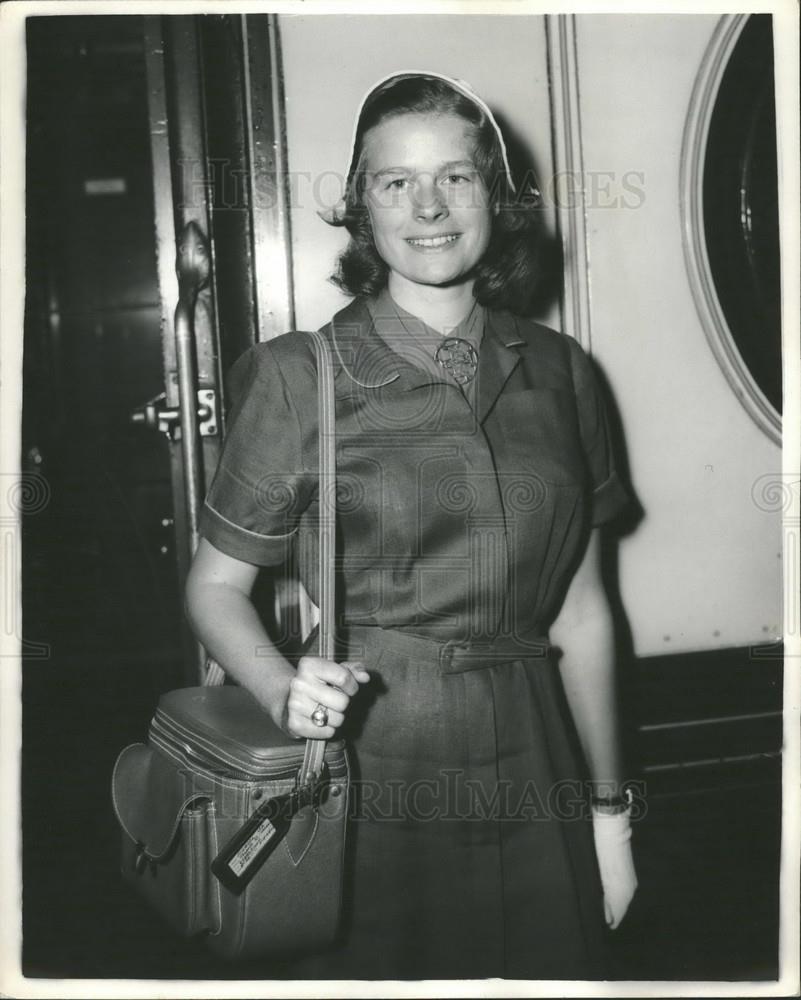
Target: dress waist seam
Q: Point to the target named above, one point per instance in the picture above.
(449, 656)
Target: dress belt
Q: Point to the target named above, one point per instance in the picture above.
(451, 657)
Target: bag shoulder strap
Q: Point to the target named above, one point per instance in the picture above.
(315, 749)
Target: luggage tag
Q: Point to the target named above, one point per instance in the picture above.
(248, 849)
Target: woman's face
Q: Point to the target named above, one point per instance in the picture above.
(428, 204)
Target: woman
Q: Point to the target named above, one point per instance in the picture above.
(474, 468)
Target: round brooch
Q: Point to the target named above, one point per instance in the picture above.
(459, 358)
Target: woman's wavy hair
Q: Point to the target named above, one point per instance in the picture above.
(507, 276)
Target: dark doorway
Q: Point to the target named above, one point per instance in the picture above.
(100, 585)
(105, 540)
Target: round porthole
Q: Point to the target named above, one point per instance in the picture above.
(730, 209)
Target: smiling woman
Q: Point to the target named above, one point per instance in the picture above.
(474, 449)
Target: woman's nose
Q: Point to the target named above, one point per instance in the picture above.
(428, 201)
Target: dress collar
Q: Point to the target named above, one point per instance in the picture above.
(365, 360)
(413, 339)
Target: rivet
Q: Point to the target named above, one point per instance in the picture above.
(258, 793)
(336, 791)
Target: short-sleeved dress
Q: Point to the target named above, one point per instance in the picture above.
(460, 523)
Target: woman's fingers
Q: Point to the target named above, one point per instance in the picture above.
(346, 675)
(317, 692)
(357, 670)
(321, 683)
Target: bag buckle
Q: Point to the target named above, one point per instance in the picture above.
(311, 791)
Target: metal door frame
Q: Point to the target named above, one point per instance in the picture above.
(178, 72)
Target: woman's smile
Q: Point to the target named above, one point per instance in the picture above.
(429, 243)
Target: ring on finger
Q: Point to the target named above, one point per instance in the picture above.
(320, 716)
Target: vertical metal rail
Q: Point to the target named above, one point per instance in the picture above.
(265, 138)
(164, 221)
(271, 246)
(195, 347)
(568, 160)
(183, 263)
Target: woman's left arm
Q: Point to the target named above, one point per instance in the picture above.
(583, 631)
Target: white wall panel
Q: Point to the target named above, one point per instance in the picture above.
(702, 569)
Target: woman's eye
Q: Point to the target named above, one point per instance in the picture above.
(457, 179)
(396, 184)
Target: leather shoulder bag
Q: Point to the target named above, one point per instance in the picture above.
(231, 829)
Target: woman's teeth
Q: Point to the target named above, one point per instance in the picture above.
(433, 241)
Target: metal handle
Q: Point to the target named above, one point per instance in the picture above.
(192, 268)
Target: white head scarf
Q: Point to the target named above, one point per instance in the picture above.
(335, 215)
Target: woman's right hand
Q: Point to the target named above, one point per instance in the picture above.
(320, 682)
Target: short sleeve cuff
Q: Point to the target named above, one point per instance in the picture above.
(240, 543)
(608, 500)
